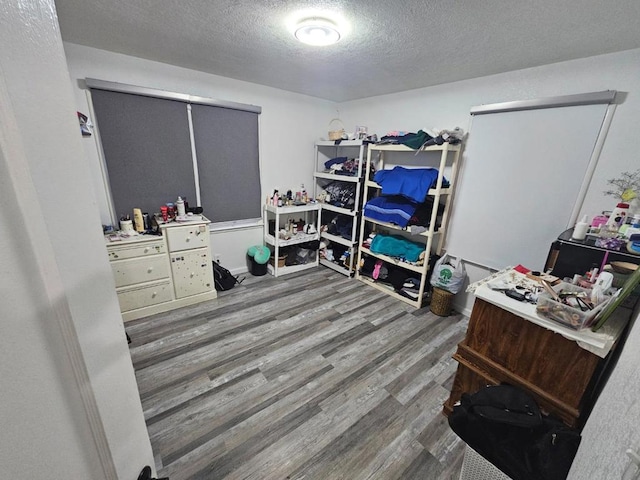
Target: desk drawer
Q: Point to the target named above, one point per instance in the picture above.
(139, 270)
(132, 298)
(142, 249)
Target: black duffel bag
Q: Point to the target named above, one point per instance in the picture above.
(504, 424)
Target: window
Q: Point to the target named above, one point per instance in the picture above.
(158, 145)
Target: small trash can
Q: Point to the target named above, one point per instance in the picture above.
(441, 301)
(258, 258)
(257, 269)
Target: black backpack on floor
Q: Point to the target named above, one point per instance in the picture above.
(223, 278)
(504, 424)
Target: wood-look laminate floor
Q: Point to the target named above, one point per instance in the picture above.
(307, 376)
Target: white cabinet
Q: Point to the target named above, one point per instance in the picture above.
(190, 257)
(276, 219)
(192, 272)
(155, 274)
(339, 192)
(444, 158)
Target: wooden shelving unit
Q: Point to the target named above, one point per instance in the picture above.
(445, 159)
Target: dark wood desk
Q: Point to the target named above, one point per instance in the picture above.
(568, 256)
(501, 347)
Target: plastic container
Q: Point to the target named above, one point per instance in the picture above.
(619, 215)
(567, 315)
(180, 207)
(171, 210)
(126, 226)
(581, 228)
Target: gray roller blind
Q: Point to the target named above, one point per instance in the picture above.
(149, 155)
(147, 150)
(226, 143)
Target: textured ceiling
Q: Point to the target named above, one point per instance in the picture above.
(391, 46)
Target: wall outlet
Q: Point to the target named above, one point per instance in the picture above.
(216, 257)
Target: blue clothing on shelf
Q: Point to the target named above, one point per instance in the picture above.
(413, 183)
(393, 209)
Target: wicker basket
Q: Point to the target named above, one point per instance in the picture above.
(336, 129)
(441, 301)
(282, 259)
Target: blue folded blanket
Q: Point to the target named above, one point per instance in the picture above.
(413, 183)
(393, 209)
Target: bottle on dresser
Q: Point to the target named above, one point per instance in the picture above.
(180, 207)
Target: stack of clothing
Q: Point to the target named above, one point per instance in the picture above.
(342, 166)
(404, 200)
(423, 139)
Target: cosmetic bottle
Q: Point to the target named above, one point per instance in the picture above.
(580, 230)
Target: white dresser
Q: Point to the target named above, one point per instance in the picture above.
(155, 274)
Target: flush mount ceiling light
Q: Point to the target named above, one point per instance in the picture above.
(317, 31)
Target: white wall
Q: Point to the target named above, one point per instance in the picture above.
(612, 426)
(448, 106)
(289, 125)
(69, 401)
(41, 408)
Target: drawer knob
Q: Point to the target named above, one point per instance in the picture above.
(154, 294)
(146, 250)
(192, 275)
(188, 239)
(150, 269)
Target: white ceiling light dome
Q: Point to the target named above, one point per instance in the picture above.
(317, 31)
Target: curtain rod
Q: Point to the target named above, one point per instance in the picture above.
(592, 98)
(182, 97)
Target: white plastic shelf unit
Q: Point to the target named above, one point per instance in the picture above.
(281, 215)
(445, 159)
(326, 150)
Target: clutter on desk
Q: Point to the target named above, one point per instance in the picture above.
(629, 289)
(515, 284)
(617, 230)
(573, 306)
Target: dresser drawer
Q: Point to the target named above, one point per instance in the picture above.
(131, 298)
(138, 270)
(141, 249)
(187, 237)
